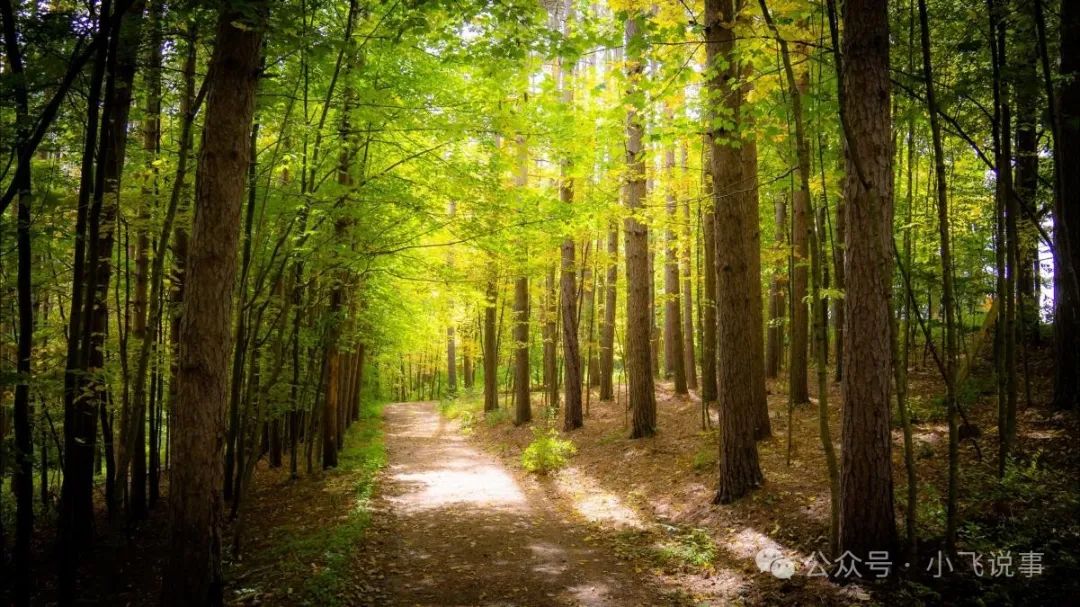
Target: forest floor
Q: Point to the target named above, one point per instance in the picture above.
(431, 505)
(454, 518)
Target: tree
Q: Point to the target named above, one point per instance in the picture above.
(607, 326)
(572, 414)
(740, 471)
(194, 572)
(674, 362)
(24, 447)
(639, 321)
(867, 519)
(522, 413)
(1066, 128)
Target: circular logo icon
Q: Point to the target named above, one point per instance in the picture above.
(771, 560)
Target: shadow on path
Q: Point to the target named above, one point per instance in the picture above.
(457, 528)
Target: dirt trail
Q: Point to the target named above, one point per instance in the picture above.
(453, 526)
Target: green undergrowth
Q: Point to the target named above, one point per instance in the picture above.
(321, 556)
(467, 408)
(547, 452)
(671, 548)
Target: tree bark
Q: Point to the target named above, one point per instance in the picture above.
(686, 245)
(1066, 208)
(739, 470)
(867, 519)
(774, 346)
(607, 327)
(491, 357)
(708, 229)
(521, 341)
(23, 481)
(193, 575)
(674, 364)
(639, 312)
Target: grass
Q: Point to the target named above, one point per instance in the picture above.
(321, 557)
(673, 549)
(547, 452)
(468, 409)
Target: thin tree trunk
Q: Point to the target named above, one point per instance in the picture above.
(689, 355)
(947, 303)
(607, 327)
(491, 362)
(708, 333)
(774, 346)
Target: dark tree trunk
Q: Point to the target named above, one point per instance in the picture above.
(572, 414)
(867, 518)
(755, 308)
(193, 575)
(491, 355)
(639, 311)
(607, 326)
(550, 336)
(23, 481)
(521, 340)
(689, 355)
(774, 346)
(674, 364)
(1027, 173)
(120, 69)
(1067, 209)
(708, 302)
(739, 470)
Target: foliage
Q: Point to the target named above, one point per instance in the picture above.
(547, 452)
(323, 554)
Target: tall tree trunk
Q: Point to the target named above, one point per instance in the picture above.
(755, 308)
(178, 278)
(1027, 173)
(674, 364)
(774, 346)
(550, 336)
(120, 69)
(23, 480)
(193, 575)
(739, 470)
(152, 144)
(686, 245)
(142, 332)
(521, 340)
(708, 229)
(867, 520)
(491, 355)
(607, 327)
(572, 412)
(1065, 110)
(947, 302)
(639, 311)
(76, 494)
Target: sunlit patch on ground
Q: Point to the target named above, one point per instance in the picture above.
(592, 502)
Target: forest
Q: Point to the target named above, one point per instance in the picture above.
(539, 302)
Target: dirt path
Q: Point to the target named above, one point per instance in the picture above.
(453, 526)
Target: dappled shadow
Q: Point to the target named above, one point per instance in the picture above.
(462, 531)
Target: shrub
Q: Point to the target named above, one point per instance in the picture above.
(496, 417)
(547, 451)
(705, 459)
